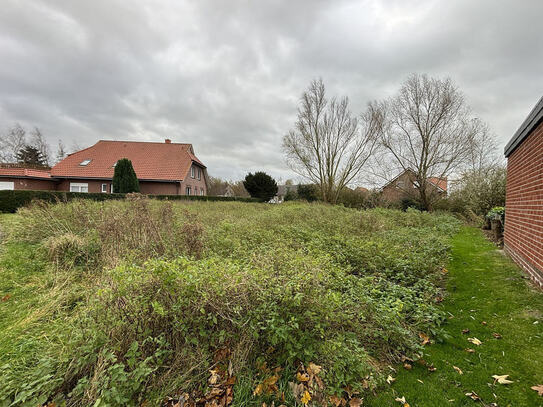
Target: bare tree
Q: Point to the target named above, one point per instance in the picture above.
(61, 152)
(484, 155)
(428, 129)
(329, 146)
(11, 143)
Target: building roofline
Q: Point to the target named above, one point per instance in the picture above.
(534, 118)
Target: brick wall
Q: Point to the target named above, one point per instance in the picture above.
(30, 183)
(523, 237)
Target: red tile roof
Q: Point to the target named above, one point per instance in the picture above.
(25, 172)
(151, 161)
(440, 182)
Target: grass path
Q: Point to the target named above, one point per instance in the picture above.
(483, 285)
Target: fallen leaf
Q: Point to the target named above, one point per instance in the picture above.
(258, 390)
(319, 382)
(444, 270)
(214, 378)
(230, 368)
(425, 338)
(407, 366)
(473, 396)
(483, 323)
(475, 341)
(538, 388)
(302, 377)
(270, 381)
(390, 379)
(496, 335)
(335, 400)
(420, 381)
(465, 331)
(501, 379)
(306, 397)
(355, 402)
(469, 350)
(431, 368)
(314, 369)
(458, 370)
(6, 297)
(296, 388)
(402, 400)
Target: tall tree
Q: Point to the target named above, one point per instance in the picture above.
(38, 141)
(11, 142)
(427, 128)
(124, 177)
(31, 155)
(260, 185)
(329, 146)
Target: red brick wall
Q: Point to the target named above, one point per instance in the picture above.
(194, 183)
(94, 186)
(159, 188)
(523, 237)
(30, 184)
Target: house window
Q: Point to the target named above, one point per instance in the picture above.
(85, 162)
(201, 191)
(192, 172)
(187, 191)
(104, 187)
(111, 189)
(199, 173)
(78, 187)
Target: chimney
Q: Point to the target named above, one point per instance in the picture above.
(168, 141)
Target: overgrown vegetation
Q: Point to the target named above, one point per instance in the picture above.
(121, 302)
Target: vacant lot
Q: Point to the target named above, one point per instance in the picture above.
(127, 303)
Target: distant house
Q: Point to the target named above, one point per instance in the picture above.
(225, 190)
(161, 168)
(282, 191)
(523, 237)
(362, 190)
(18, 176)
(403, 186)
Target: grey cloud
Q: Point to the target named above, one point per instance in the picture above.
(227, 76)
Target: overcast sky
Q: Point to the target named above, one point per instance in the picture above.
(227, 76)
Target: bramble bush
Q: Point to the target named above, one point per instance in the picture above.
(137, 296)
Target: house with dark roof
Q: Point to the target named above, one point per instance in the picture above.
(523, 233)
(161, 168)
(403, 186)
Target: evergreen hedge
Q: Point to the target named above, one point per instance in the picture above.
(10, 201)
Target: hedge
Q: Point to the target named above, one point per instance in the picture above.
(10, 201)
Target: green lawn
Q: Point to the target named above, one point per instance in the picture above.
(484, 286)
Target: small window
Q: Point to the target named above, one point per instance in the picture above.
(192, 172)
(85, 162)
(111, 189)
(201, 191)
(199, 173)
(104, 187)
(77, 187)
(187, 191)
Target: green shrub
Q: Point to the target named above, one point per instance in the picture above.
(125, 179)
(496, 213)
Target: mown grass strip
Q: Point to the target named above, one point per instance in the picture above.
(484, 287)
